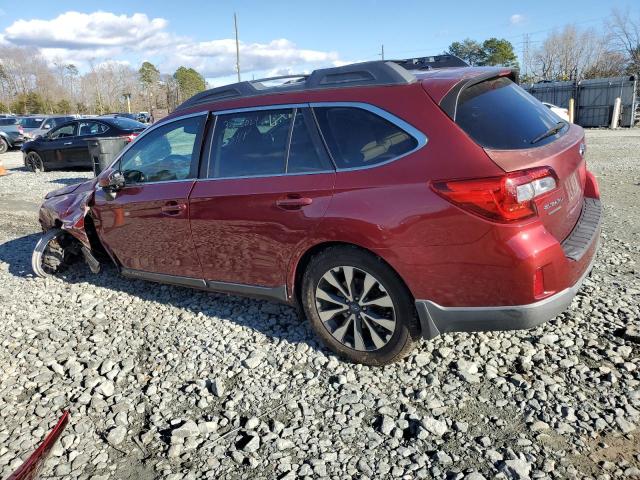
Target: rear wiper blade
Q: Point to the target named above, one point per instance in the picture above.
(552, 131)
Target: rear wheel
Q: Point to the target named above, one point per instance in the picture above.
(54, 252)
(4, 145)
(359, 306)
(34, 162)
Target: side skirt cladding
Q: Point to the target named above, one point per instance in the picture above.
(278, 293)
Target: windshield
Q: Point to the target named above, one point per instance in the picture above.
(500, 115)
(31, 122)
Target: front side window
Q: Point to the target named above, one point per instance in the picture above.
(165, 154)
(250, 143)
(360, 138)
(64, 131)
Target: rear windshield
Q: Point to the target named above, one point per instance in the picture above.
(31, 122)
(127, 124)
(498, 114)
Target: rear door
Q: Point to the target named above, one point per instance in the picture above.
(519, 132)
(80, 150)
(268, 184)
(146, 225)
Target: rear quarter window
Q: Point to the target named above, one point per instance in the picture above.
(498, 114)
(360, 138)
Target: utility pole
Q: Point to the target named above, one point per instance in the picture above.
(382, 51)
(235, 24)
(525, 53)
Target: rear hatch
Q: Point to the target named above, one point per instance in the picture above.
(518, 132)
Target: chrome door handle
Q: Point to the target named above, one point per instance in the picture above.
(173, 208)
(68, 143)
(292, 203)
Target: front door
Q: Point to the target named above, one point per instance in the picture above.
(58, 147)
(146, 225)
(268, 185)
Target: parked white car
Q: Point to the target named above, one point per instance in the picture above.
(563, 113)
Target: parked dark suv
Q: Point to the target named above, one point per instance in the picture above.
(389, 200)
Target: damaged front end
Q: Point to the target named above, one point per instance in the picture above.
(63, 216)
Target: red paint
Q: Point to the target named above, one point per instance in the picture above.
(256, 230)
(30, 469)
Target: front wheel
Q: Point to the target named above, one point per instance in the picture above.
(53, 253)
(34, 162)
(4, 145)
(359, 306)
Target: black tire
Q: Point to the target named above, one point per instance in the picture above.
(33, 161)
(4, 145)
(406, 331)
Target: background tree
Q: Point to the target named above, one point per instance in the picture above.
(498, 51)
(3, 108)
(624, 29)
(568, 54)
(493, 51)
(149, 78)
(189, 82)
(468, 50)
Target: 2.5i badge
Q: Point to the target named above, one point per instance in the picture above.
(553, 206)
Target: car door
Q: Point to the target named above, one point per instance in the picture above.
(145, 226)
(268, 184)
(57, 146)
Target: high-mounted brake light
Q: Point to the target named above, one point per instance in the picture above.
(506, 198)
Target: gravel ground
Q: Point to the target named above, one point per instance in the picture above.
(165, 382)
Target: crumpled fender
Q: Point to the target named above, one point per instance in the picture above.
(67, 208)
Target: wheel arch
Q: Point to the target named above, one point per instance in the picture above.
(295, 280)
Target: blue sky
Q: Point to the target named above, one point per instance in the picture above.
(277, 36)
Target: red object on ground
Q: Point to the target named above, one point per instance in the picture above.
(32, 466)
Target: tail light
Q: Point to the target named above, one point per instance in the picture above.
(507, 198)
(20, 129)
(131, 137)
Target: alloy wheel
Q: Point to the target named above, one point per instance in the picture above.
(4, 146)
(355, 308)
(34, 162)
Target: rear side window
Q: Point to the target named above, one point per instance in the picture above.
(31, 122)
(498, 114)
(8, 121)
(248, 144)
(359, 138)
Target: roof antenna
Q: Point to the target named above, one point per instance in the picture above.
(235, 24)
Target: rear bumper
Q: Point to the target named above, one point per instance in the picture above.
(436, 319)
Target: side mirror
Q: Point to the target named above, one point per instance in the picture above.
(47, 126)
(111, 180)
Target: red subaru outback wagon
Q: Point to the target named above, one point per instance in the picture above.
(389, 200)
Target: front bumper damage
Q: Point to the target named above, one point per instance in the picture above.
(67, 209)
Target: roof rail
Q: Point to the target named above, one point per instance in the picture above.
(428, 63)
(377, 73)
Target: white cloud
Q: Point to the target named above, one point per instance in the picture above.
(217, 57)
(516, 19)
(80, 38)
(74, 30)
